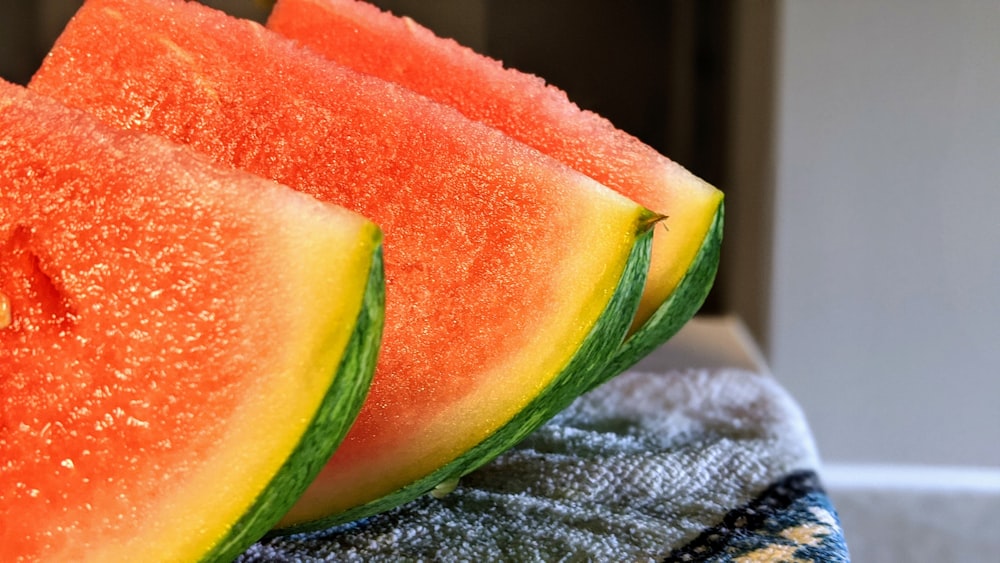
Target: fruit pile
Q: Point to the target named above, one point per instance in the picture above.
(254, 280)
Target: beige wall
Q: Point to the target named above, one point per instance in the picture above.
(885, 316)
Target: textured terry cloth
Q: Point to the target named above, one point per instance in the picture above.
(687, 466)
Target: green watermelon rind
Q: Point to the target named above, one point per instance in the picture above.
(686, 299)
(585, 369)
(328, 428)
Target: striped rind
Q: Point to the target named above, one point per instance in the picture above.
(328, 427)
(585, 369)
(683, 303)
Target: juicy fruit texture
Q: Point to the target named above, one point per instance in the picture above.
(185, 345)
(510, 277)
(361, 36)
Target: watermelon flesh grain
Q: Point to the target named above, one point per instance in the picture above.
(183, 345)
(359, 35)
(501, 264)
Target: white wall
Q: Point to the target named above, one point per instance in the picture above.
(886, 285)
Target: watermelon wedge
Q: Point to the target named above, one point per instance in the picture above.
(182, 346)
(359, 35)
(511, 279)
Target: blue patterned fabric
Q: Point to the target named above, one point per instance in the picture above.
(714, 466)
(793, 520)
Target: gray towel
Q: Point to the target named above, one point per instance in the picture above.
(681, 466)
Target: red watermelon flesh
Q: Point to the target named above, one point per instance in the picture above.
(501, 263)
(361, 36)
(179, 351)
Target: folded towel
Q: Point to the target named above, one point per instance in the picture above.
(681, 466)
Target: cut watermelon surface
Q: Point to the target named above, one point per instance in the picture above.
(183, 345)
(361, 36)
(511, 278)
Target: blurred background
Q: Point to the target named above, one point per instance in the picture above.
(858, 143)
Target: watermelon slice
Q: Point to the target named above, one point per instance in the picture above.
(181, 347)
(361, 36)
(510, 278)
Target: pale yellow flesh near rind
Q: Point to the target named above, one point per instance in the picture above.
(610, 225)
(298, 280)
(680, 306)
(690, 213)
(323, 280)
